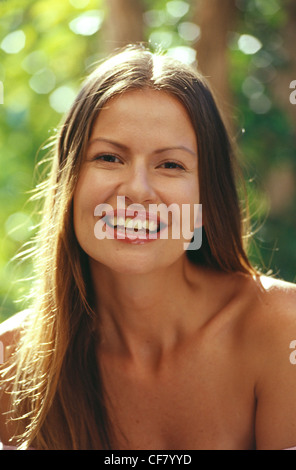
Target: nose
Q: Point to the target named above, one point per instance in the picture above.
(137, 185)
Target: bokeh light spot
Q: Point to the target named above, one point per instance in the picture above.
(177, 9)
(249, 44)
(14, 42)
(43, 81)
(185, 54)
(62, 98)
(87, 23)
(189, 31)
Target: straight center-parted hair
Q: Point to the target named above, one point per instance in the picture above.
(58, 395)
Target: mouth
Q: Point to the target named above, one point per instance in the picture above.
(133, 225)
(142, 226)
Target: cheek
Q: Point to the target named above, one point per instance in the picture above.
(187, 193)
(90, 191)
(190, 211)
(180, 191)
(183, 200)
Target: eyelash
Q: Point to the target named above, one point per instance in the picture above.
(177, 166)
(99, 157)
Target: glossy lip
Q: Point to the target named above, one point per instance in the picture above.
(133, 237)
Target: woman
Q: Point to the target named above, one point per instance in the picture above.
(138, 340)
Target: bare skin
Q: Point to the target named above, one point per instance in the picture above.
(221, 380)
(227, 383)
(191, 358)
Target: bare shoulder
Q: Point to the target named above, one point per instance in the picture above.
(270, 316)
(270, 306)
(10, 331)
(280, 292)
(271, 333)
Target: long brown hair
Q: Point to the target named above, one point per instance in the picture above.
(58, 395)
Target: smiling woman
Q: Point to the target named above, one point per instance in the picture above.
(146, 167)
(134, 341)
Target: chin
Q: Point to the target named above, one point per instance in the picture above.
(135, 265)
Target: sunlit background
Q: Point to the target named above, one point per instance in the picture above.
(247, 50)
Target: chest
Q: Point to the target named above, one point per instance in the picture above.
(198, 400)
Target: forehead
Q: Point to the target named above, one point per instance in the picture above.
(145, 112)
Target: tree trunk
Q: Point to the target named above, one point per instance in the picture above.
(124, 23)
(280, 86)
(215, 18)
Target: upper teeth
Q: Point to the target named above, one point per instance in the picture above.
(133, 223)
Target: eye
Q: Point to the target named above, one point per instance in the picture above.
(172, 166)
(107, 157)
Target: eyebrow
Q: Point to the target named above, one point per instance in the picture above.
(124, 147)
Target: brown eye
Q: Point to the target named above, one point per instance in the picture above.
(172, 166)
(107, 158)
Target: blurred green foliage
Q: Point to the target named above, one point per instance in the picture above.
(46, 49)
(267, 139)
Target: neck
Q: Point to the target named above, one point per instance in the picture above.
(140, 313)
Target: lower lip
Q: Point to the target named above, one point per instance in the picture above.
(134, 238)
